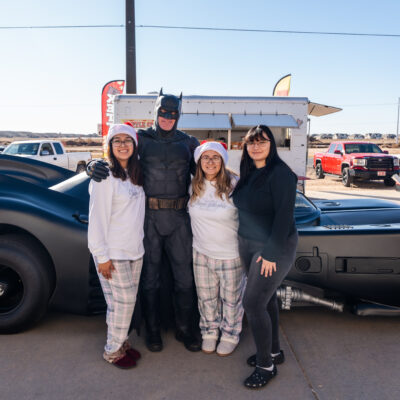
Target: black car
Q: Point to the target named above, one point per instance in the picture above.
(348, 249)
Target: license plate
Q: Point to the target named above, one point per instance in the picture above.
(381, 173)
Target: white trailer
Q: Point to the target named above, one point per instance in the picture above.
(228, 119)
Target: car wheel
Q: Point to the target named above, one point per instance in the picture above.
(389, 182)
(80, 168)
(25, 283)
(346, 178)
(319, 171)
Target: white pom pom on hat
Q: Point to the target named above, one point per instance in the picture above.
(116, 129)
(214, 146)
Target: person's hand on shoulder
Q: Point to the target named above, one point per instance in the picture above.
(98, 170)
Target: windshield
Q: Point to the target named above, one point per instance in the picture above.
(305, 212)
(362, 148)
(303, 206)
(77, 186)
(30, 149)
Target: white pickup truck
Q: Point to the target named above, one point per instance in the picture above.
(49, 151)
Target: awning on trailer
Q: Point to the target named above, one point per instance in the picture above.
(271, 120)
(204, 122)
(318, 110)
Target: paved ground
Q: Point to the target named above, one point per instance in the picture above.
(328, 356)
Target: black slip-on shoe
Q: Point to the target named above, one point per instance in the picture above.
(259, 378)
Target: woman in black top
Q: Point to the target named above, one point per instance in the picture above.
(265, 197)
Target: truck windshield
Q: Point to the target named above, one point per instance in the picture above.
(362, 148)
(30, 149)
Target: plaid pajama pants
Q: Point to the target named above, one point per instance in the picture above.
(220, 286)
(120, 295)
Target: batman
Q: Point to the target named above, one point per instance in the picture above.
(166, 157)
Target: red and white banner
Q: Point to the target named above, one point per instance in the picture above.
(107, 112)
(139, 123)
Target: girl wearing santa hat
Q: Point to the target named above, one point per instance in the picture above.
(217, 266)
(115, 236)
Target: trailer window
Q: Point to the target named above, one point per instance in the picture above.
(282, 136)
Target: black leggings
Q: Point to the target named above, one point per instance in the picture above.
(260, 296)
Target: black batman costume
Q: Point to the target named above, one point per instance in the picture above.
(166, 159)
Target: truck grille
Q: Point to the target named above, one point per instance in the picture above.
(380, 163)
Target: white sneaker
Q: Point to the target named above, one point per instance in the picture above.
(225, 348)
(208, 345)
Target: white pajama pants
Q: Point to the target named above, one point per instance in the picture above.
(220, 286)
(120, 294)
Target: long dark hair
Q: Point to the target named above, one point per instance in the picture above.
(134, 169)
(255, 134)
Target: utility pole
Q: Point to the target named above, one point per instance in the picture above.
(130, 46)
(398, 114)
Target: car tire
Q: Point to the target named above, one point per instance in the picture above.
(25, 283)
(319, 172)
(347, 180)
(80, 168)
(389, 182)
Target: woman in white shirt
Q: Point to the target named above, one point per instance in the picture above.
(115, 236)
(216, 263)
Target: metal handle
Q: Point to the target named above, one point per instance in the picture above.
(82, 219)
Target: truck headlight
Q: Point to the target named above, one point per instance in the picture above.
(360, 162)
(395, 162)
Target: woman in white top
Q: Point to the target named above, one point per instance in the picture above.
(216, 263)
(115, 236)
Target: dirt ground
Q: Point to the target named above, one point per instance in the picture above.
(334, 183)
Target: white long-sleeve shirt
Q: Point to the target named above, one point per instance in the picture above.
(214, 224)
(116, 218)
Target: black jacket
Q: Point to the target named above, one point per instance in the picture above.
(266, 203)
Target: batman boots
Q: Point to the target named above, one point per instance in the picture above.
(151, 305)
(185, 331)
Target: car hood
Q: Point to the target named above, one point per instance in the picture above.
(33, 171)
(374, 155)
(354, 204)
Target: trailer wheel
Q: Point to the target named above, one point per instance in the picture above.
(319, 172)
(347, 180)
(80, 168)
(24, 283)
(389, 182)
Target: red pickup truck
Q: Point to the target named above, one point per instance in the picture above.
(356, 160)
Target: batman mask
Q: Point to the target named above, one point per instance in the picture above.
(167, 106)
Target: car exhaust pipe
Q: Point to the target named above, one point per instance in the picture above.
(287, 295)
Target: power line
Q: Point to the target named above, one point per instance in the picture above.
(61, 26)
(367, 104)
(205, 28)
(269, 31)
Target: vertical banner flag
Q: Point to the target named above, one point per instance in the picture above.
(282, 87)
(107, 101)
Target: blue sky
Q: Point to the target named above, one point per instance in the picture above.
(51, 79)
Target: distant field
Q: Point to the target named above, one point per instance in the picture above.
(82, 143)
(93, 144)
